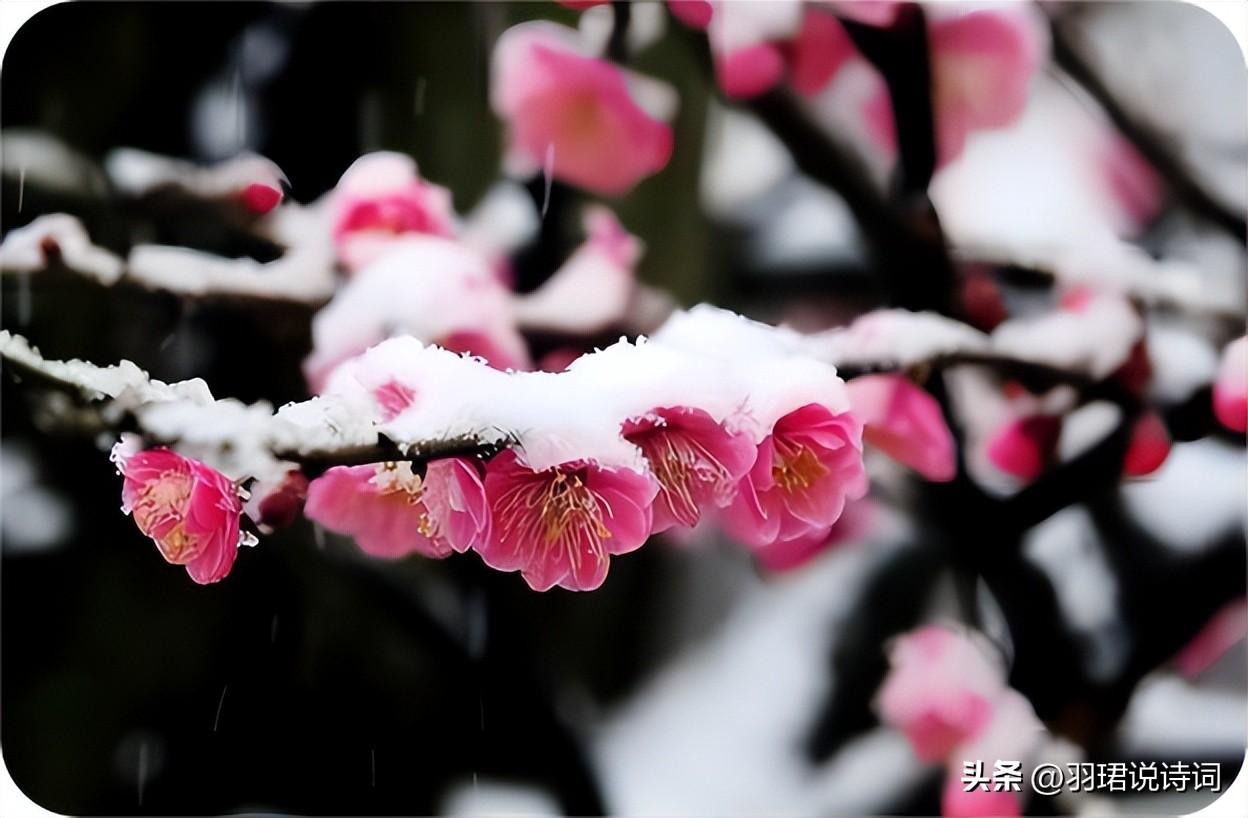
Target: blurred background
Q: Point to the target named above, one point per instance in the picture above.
(315, 681)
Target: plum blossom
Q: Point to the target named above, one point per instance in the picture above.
(1148, 448)
(192, 512)
(380, 198)
(696, 461)
(818, 52)
(1230, 391)
(805, 471)
(950, 699)
(1024, 447)
(1226, 628)
(904, 422)
(276, 505)
(432, 288)
(1011, 733)
(578, 116)
(940, 690)
(560, 525)
(746, 41)
(982, 65)
(392, 511)
(788, 555)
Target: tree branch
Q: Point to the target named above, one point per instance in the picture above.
(1150, 144)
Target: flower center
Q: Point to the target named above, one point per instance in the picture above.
(685, 470)
(795, 467)
(397, 478)
(160, 513)
(559, 511)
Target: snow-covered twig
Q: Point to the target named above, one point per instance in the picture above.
(303, 275)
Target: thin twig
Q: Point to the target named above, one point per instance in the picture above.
(1151, 145)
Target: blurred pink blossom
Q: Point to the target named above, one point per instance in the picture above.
(788, 555)
(382, 197)
(575, 115)
(1230, 391)
(392, 511)
(192, 512)
(904, 422)
(807, 468)
(982, 65)
(261, 198)
(939, 691)
(697, 462)
(277, 506)
(1149, 446)
(1025, 447)
(1012, 733)
(1226, 628)
(559, 526)
(819, 50)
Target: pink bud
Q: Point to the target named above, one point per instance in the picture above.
(1230, 391)
(260, 198)
(1149, 446)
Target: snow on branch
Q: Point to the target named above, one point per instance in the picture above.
(304, 274)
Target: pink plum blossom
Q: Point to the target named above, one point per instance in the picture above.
(982, 65)
(747, 44)
(818, 52)
(392, 511)
(1012, 733)
(805, 471)
(1228, 627)
(276, 506)
(576, 115)
(381, 197)
(904, 422)
(559, 526)
(940, 690)
(1148, 448)
(192, 512)
(1230, 391)
(1025, 447)
(697, 462)
(789, 555)
(260, 198)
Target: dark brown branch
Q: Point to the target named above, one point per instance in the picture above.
(1151, 145)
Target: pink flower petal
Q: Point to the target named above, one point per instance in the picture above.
(905, 423)
(1228, 627)
(805, 470)
(693, 13)
(749, 71)
(696, 461)
(560, 525)
(1024, 448)
(1230, 391)
(1149, 446)
(820, 50)
(940, 690)
(192, 512)
(573, 112)
(260, 198)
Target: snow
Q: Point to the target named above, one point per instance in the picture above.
(24, 249)
(895, 337)
(136, 172)
(1095, 340)
(1195, 497)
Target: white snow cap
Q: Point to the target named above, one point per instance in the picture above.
(743, 373)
